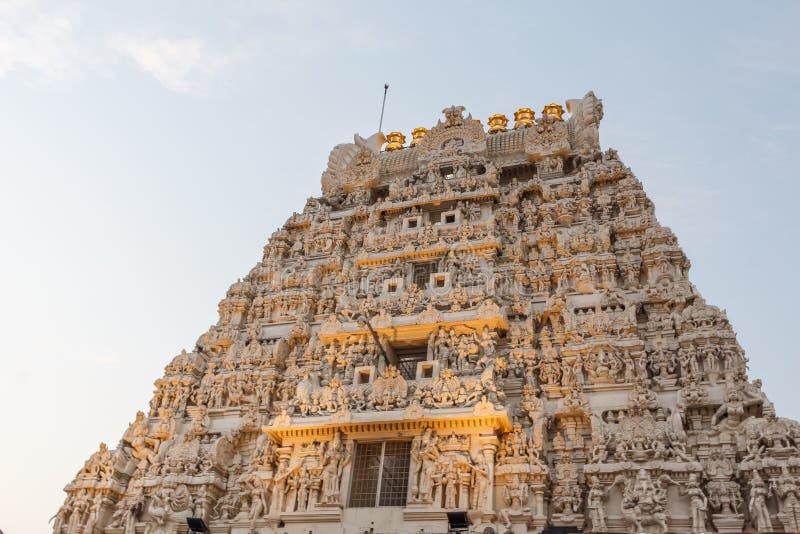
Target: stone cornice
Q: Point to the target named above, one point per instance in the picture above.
(400, 423)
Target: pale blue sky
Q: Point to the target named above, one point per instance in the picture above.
(148, 149)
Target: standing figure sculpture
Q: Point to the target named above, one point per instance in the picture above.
(480, 482)
(426, 456)
(698, 504)
(595, 503)
(759, 514)
(335, 458)
(280, 487)
(258, 501)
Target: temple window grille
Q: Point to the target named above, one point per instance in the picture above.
(407, 359)
(422, 273)
(380, 474)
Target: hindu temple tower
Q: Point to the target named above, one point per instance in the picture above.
(489, 320)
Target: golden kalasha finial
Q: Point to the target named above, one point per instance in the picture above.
(498, 123)
(523, 118)
(554, 111)
(395, 141)
(417, 134)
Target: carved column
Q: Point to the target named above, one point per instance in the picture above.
(313, 499)
(489, 446)
(538, 486)
(538, 502)
(463, 490)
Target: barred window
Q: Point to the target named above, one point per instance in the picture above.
(380, 474)
(366, 467)
(422, 274)
(407, 359)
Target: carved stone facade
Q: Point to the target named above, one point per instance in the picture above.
(492, 322)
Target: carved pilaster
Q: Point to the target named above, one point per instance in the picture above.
(489, 446)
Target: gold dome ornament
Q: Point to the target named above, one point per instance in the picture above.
(523, 118)
(554, 111)
(417, 134)
(395, 141)
(498, 123)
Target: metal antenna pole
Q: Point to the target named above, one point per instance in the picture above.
(377, 340)
(362, 320)
(383, 106)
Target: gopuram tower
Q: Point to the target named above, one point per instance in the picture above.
(487, 322)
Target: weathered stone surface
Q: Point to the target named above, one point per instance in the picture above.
(503, 307)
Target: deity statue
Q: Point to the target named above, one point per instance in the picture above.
(643, 503)
(759, 514)
(142, 445)
(259, 500)
(732, 408)
(698, 504)
(425, 455)
(336, 456)
(480, 483)
(596, 504)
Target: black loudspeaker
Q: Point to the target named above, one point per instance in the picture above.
(196, 524)
(457, 521)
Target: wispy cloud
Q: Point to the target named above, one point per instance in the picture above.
(182, 65)
(41, 43)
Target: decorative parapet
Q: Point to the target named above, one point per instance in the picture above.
(415, 327)
(436, 250)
